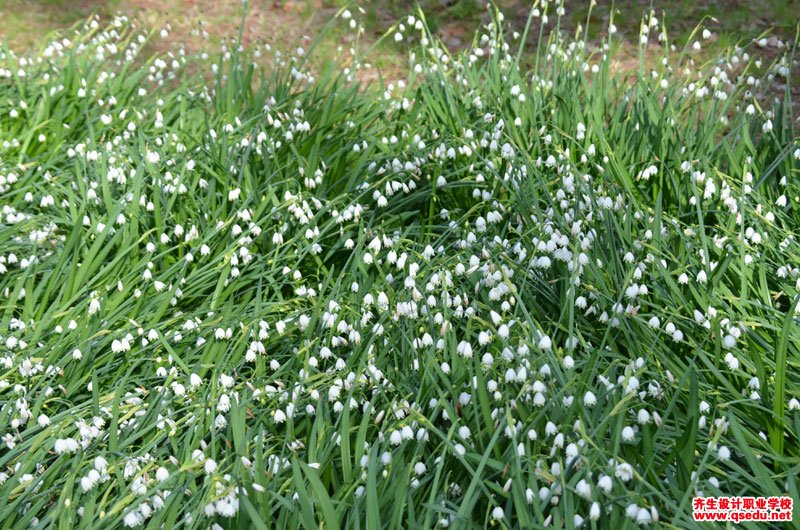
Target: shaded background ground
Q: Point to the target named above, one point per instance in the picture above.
(24, 22)
(204, 24)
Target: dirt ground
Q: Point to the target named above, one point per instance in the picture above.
(25, 22)
(196, 24)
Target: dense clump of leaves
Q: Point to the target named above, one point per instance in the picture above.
(275, 296)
